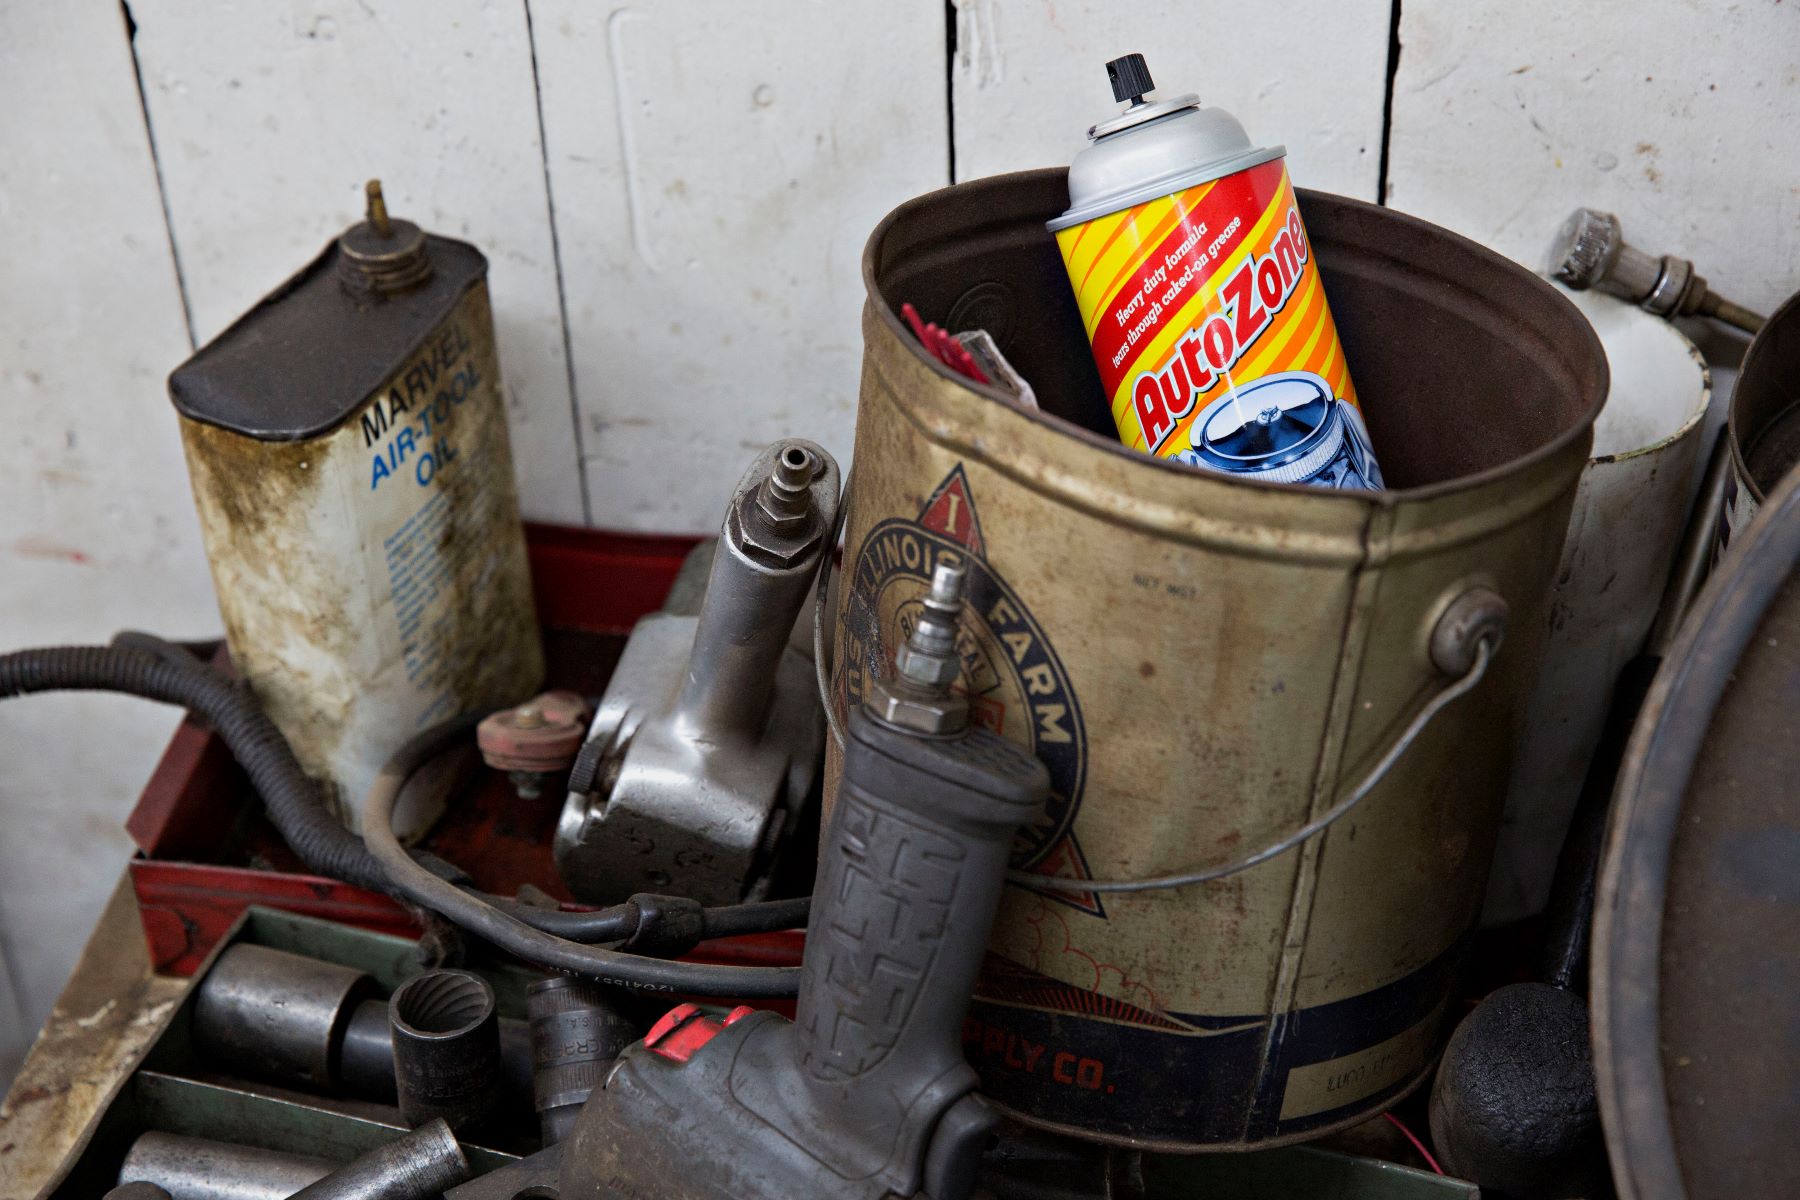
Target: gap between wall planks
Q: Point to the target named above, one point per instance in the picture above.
(713, 194)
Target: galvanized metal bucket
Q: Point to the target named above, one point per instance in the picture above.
(1207, 666)
(1631, 508)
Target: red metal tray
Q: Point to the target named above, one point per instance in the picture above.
(207, 852)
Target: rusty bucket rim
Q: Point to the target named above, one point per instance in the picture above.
(1734, 416)
(1393, 498)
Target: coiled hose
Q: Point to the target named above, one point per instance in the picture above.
(290, 796)
(142, 665)
(506, 930)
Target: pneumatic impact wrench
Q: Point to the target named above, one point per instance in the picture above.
(866, 1094)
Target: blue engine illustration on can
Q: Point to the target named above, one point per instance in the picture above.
(1284, 428)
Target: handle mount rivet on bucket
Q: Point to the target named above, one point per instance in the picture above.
(1477, 615)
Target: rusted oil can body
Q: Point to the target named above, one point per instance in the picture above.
(1764, 424)
(348, 449)
(1203, 663)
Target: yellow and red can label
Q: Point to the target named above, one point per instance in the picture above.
(1190, 298)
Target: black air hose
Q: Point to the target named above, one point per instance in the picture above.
(517, 937)
(290, 796)
(143, 665)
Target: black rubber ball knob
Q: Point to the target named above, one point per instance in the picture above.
(1514, 1107)
(1130, 78)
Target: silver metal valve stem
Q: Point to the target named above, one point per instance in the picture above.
(918, 696)
(1590, 251)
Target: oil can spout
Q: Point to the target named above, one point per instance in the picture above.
(381, 255)
(378, 213)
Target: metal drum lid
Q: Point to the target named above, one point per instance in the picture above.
(1696, 977)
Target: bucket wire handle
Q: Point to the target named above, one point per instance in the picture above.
(820, 667)
(1460, 686)
(1463, 643)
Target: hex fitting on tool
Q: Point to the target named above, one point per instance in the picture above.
(446, 1037)
(575, 1038)
(776, 521)
(917, 697)
(419, 1165)
(1590, 251)
(273, 1015)
(137, 1191)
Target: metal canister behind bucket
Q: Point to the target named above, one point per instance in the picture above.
(1764, 425)
(1631, 507)
(1207, 665)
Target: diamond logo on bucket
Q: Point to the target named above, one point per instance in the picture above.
(1015, 683)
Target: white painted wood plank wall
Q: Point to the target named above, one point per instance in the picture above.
(267, 119)
(1677, 115)
(1028, 78)
(674, 197)
(96, 524)
(716, 166)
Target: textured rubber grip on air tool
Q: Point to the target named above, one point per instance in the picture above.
(867, 1094)
(908, 883)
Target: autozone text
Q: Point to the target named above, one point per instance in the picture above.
(1249, 300)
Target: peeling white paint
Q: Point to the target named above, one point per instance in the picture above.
(980, 57)
(98, 1015)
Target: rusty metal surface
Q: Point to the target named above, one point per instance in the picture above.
(1764, 425)
(372, 578)
(106, 1018)
(229, 381)
(1696, 978)
(1203, 663)
(1765, 434)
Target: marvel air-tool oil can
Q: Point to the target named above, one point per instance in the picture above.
(1198, 289)
(347, 445)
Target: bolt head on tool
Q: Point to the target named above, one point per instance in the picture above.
(934, 671)
(917, 710)
(918, 696)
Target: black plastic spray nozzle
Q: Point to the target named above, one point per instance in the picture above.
(1130, 79)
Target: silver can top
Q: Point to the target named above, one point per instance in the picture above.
(1152, 148)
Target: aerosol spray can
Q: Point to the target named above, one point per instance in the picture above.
(1197, 285)
(347, 444)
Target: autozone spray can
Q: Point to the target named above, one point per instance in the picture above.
(348, 449)
(1197, 285)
